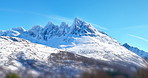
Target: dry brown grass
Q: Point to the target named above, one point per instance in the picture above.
(102, 74)
(95, 74)
(143, 73)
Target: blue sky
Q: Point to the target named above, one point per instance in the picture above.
(124, 20)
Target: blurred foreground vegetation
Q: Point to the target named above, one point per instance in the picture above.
(142, 73)
(12, 75)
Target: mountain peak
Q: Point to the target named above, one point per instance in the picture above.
(63, 25)
(78, 21)
(19, 29)
(126, 45)
(49, 23)
(35, 29)
(81, 27)
(78, 28)
(50, 26)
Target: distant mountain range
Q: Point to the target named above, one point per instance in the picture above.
(137, 51)
(70, 48)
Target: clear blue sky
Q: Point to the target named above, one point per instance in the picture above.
(124, 20)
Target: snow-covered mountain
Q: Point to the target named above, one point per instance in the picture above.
(136, 50)
(31, 60)
(80, 38)
(21, 56)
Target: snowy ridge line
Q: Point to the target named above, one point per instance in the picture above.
(137, 51)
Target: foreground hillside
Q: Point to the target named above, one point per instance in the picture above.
(27, 60)
(33, 60)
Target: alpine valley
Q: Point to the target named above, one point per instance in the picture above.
(53, 51)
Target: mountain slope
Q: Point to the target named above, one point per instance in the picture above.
(137, 51)
(31, 60)
(80, 38)
(14, 52)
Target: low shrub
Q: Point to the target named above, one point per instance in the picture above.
(12, 75)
